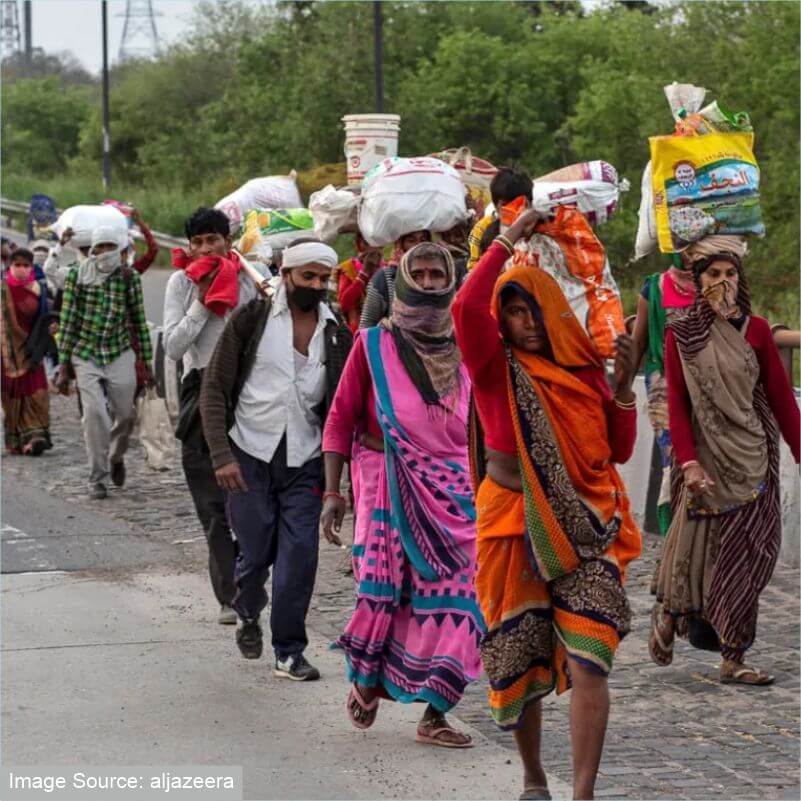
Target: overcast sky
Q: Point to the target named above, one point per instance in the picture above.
(75, 25)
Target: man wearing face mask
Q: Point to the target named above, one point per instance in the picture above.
(263, 401)
(99, 301)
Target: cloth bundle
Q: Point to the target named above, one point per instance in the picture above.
(223, 294)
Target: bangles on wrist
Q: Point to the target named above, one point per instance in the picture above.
(505, 241)
(338, 495)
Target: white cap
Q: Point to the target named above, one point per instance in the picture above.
(105, 235)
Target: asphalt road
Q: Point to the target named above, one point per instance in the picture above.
(111, 655)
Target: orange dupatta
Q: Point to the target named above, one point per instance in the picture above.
(575, 501)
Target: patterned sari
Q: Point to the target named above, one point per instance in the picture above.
(416, 628)
(26, 403)
(552, 559)
(720, 552)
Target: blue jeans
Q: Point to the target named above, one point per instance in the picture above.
(277, 524)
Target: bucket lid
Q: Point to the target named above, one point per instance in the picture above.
(379, 118)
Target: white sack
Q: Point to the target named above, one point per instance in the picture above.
(270, 192)
(335, 211)
(84, 219)
(402, 195)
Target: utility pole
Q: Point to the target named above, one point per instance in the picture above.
(379, 56)
(106, 134)
(28, 26)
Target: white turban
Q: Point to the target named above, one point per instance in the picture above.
(308, 253)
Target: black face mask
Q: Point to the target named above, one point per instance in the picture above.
(306, 298)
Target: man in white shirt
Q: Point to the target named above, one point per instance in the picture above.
(191, 331)
(263, 402)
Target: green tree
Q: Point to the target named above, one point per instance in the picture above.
(41, 124)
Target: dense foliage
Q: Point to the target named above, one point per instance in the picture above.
(256, 90)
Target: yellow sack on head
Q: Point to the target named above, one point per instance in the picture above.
(704, 185)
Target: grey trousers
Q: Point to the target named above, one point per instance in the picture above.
(107, 396)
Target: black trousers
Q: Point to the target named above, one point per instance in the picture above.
(209, 502)
(277, 525)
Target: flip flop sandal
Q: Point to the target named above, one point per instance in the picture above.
(35, 447)
(536, 793)
(762, 678)
(431, 736)
(661, 653)
(370, 708)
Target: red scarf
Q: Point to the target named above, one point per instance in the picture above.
(12, 281)
(223, 294)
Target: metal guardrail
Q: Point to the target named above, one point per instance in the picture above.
(162, 240)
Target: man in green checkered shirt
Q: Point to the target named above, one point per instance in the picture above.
(102, 306)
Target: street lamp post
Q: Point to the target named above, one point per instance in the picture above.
(106, 134)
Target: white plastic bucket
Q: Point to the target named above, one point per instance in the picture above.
(369, 139)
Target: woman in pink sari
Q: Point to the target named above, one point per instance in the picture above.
(414, 634)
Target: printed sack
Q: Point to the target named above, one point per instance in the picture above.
(704, 185)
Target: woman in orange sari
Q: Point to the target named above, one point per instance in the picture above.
(554, 528)
(26, 404)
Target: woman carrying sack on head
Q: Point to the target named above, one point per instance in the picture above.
(729, 397)
(554, 525)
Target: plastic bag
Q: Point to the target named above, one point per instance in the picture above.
(476, 175)
(592, 187)
(704, 185)
(647, 239)
(42, 215)
(270, 192)
(266, 230)
(154, 430)
(84, 219)
(402, 195)
(568, 250)
(335, 211)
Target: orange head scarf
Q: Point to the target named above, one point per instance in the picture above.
(570, 344)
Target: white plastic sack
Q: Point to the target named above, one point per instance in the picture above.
(154, 430)
(592, 187)
(647, 238)
(401, 195)
(335, 211)
(84, 219)
(270, 192)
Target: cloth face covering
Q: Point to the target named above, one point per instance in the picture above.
(422, 327)
(722, 297)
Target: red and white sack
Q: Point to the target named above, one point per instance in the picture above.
(476, 175)
(593, 187)
(271, 192)
(401, 195)
(568, 250)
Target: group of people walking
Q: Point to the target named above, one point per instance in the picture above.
(491, 529)
(75, 314)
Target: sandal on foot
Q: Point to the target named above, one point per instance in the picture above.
(36, 447)
(536, 793)
(739, 676)
(437, 731)
(368, 709)
(661, 653)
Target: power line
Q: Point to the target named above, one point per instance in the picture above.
(139, 36)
